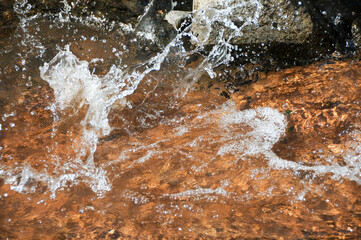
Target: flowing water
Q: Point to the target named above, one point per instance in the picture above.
(104, 134)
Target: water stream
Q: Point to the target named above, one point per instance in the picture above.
(105, 133)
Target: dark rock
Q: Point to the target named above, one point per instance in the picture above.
(123, 10)
(153, 25)
(334, 18)
(184, 5)
(8, 17)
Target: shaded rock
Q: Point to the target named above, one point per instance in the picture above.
(124, 10)
(183, 5)
(333, 19)
(153, 26)
(8, 17)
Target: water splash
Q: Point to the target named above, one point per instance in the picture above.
(74, 86)
(77, 89)
(221, 15)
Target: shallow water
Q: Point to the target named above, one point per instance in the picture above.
(104, 138)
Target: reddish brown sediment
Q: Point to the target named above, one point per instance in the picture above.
(165, 187)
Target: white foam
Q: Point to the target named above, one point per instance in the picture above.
(267, 126)
(135, 197)
(21, 182)
(202, 193)
(198, 193)
(351, 171)
(75, 86)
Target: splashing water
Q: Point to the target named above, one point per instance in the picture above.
(108, 109)
(76, 88)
